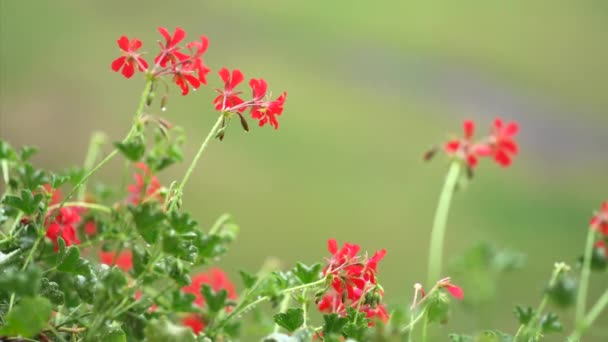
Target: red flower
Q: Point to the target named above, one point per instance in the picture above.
(182, 75)
(601, 244)
(55, 194)
(599, 221)
(466, 149)
(170, 51)
(195, 323)
(124, 261)
(199, 49)
(454, 290)
(64, 226)
(503, 143)
(146, 186)
(267, 112)
(218, 280)
(228, 98)
(130, 59)
(90, 227)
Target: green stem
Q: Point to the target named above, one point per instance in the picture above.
(304, 307)
(97, 139)
(282, 308)
(242, 307)
(425, 325)
(94, 206)
(5, 176)
(581, 299)
(180, 188)
(593, 314)
(439, 223)
(134, 129)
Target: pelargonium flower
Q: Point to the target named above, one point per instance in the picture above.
(503, 142)
(146, 186)
(599, 221)
(198, 49)
(267, 112)
(466, 148)
(169, 50)
(183, 75)
(218, 280)
(63, 224)
(229, 98)
(124, 261)
(130, 59)
(454, 290)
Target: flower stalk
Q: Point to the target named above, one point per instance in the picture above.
(581, 298)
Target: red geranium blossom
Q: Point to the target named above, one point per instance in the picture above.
(170, 51)
(503, 143)
(198, 49)
(130, 59)
(124, 261)
(599, 221)
(146, 186)
(182, 75)
(229, 98)
(63, 225)
(218, 280)
(465, 148)
(267, 112)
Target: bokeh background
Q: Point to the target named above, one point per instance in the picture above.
(371, 86)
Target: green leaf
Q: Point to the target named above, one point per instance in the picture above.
(27, 203)
(7, 152)
(215, 301)
(22, 283)
(28, 317)
(27, 151)
(524, 315)
(357, 324)
(133, 149)
(148, 219)
(460, 338)
(437, 308)
(162, 330)
(182, 222)
(563, 292)
(30, 177)
(291, 319)
(333, 324)
(182, 302)
(307, 274)
(493, 336)
(248, 279)
(112, 332)
(549, 323)
(71, 262)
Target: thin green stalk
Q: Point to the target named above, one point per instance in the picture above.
(282, 308)
(5, 176)
(425, 325)
(581, 298)
(178, 193)
(134, 129)
(304, 307)
(97, 139)
(93, 206)
(439, 223)
(593, 314)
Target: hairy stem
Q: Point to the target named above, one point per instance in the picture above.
(581, 298)
(439, 223)
(97, 139)
(178, 192)
(593, 314)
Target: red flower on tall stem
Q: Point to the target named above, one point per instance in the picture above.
(169, 50)
(599, 221)
(130, 59)
(503, 142)
(229, 98)
(466, 148)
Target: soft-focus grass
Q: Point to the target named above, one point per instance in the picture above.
(346, 160)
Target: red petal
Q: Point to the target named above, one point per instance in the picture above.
(498, 123)
(605, 206)
(452, 146)
(511, 129)
(472, 160)
(482, 150)
(224, 74)
(163, 31)
(455, 291)
(142, 64)
(509, 145)
(237, 77)
(332, 246)
(118, 63)
(469, 128)
(128, 70)
(135, 44)
(194, 322)
(123, 43)
(502, 158)
(178, 36)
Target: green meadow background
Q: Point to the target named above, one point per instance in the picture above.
(371, 86)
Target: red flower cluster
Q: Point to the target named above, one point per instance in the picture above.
(189, 71)
(146, 187)
(218, 280)
(353, 282)
(599, 223)
(124, 260)
(499, 144)
(62, 222)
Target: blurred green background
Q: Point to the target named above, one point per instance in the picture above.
(371, 86)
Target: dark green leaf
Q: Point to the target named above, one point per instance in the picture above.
(27, 151)
(27, 203)
(148, 220)
(291, 319)
(71, 262)
(215, 301)
(437, 308)
(248, 279)
(133, 149)
(112, 332)
(182, 222)
(524, 315)
(22, 283)
(333, 324)
(307, 274)
(28, 317)
(563, 292)
(549, 323)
